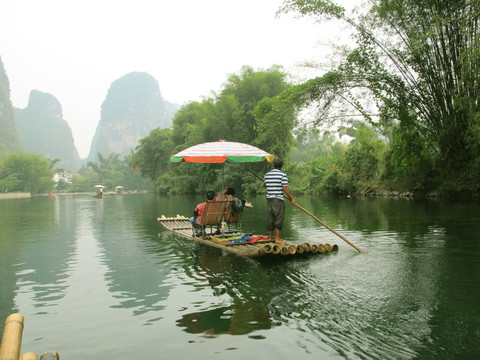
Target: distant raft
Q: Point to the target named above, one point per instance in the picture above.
(242, 244)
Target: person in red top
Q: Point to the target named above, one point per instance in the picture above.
(197, 219)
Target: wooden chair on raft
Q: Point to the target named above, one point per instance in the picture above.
(213, 215)
(219, 212)
(233, 213)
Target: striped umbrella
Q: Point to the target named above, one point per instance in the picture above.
(221, 151)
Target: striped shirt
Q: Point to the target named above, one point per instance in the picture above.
(275, 180)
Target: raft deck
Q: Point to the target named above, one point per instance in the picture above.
(236, 243)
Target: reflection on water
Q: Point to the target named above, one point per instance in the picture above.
(238, 311)
(236, 319)
(100, 278)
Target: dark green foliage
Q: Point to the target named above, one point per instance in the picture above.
(363, 161)
(335, 168)
(153, 153)
(248, 89)
(409, 164)
(275, 122)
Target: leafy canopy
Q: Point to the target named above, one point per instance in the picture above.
(419, 61)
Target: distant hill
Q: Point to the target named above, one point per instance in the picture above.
(9, 141)
(42, 130)
(133, 107)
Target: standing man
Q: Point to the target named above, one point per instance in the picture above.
(276, 183)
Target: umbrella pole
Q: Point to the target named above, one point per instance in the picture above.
(223, 224)
(223, 187)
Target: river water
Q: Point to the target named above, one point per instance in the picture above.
(100, 279)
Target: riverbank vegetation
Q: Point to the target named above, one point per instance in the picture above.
(109, 171)
(26, 172)
(400, 111)
(33, 173)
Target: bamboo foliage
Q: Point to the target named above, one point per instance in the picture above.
(420, 62)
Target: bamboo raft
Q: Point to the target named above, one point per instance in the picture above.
(232, 241)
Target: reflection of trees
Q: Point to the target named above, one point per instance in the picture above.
(37, 255)
(133, 275)
(236, 281)
(236, 319)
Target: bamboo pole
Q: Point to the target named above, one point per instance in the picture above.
(321, 248)
(329, 228)
(12, 337)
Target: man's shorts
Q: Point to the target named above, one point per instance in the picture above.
(275, 214)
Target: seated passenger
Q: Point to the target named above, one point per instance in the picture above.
(197, 219)
(234, 208)
(227, 195)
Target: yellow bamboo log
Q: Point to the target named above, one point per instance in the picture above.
(261, 251)
(50, 355)
(334, 247)
(328, 247)
(321, 248)
(29, 356)
(299, 248)
(314, 248)
(284, 250)
(306, 247)
(12, 337)
(267, 248)
(276, 249)
(292, 249)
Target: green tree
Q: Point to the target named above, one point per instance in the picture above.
(324, 156)
(248, 88)
(409, 162)
(189, 124)
(26, 172)
(363, 161)
(153, 153)
(230, 116)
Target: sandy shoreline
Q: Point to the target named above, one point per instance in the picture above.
(15, 195)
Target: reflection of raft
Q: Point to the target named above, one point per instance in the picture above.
(233, 242)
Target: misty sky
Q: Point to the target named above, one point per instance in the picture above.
(74, 50)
